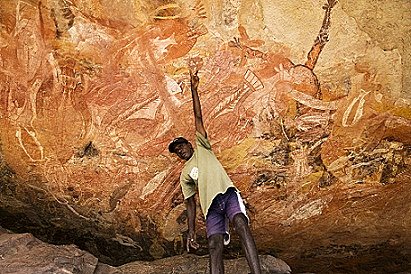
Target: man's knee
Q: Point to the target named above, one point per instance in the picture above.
(215, 242)
(240, 220)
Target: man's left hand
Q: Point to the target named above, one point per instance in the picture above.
(191, 242)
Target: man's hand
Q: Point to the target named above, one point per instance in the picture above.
(191, 241)
(194, 65)
(194, 79)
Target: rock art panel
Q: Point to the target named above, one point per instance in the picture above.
(93, 91)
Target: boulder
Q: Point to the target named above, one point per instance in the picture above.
(23, 253)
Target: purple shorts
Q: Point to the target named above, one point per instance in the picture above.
(223, 208)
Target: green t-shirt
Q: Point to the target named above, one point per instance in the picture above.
(204, 172)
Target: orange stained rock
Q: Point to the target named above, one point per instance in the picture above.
(89, 104)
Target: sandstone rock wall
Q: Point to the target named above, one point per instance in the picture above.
(307, 107)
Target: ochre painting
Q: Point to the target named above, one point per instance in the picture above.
(307, 106)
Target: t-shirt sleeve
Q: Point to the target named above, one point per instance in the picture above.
(188, 186)
(202, 141)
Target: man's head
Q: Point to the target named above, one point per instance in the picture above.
(182, 147)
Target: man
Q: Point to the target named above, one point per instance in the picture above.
(219, 199)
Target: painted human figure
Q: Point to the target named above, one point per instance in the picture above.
(219, 199)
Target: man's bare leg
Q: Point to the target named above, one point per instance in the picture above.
(241, 226)
(215, 244)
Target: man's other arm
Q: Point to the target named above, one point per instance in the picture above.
(191, 215)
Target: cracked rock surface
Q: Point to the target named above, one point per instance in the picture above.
(24, 254)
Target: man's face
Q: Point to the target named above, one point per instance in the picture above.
(184, 151)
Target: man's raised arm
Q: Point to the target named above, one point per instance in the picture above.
(198, 117)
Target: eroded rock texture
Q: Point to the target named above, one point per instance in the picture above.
(307, 105)
(23, 253)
